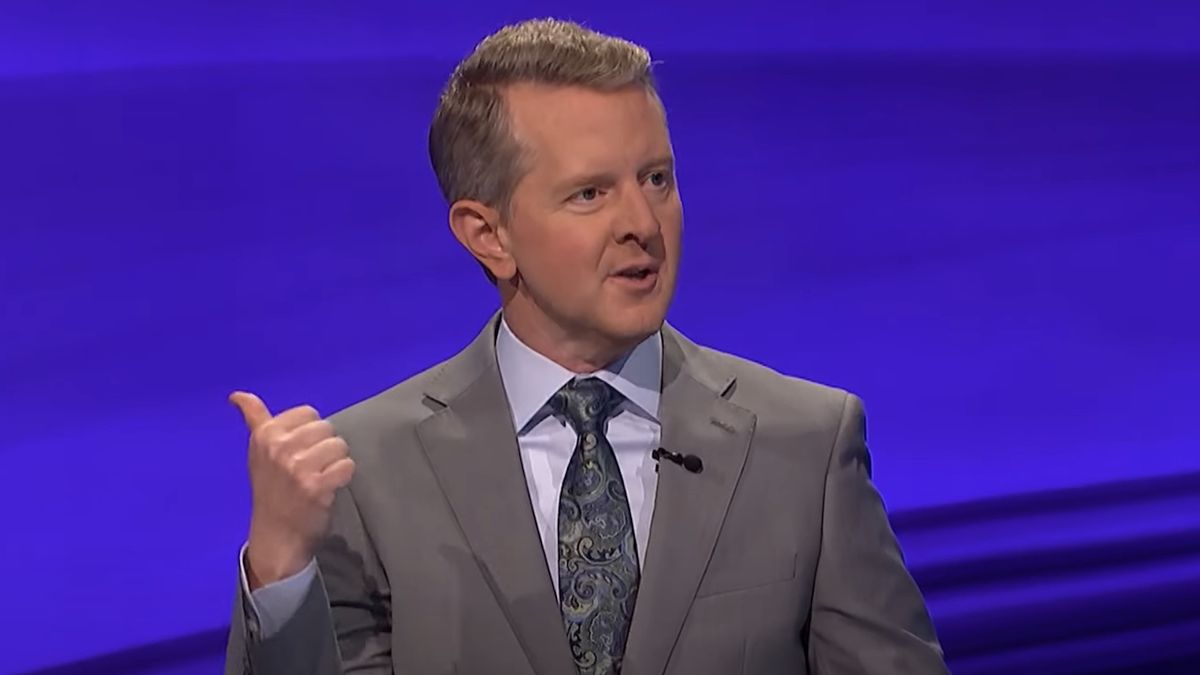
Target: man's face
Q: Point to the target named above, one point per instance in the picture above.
(594, 226)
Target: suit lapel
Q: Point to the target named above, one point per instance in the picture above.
(689, 508)
(472, 447)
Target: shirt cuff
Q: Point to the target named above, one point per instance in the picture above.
(272, 605)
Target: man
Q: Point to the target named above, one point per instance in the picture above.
(582, 489)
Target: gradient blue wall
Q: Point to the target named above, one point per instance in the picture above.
(982, 217)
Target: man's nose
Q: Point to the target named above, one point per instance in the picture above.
(637, 220)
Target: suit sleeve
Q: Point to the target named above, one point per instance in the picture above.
(868, 616)
(273, 604)
(343, 624)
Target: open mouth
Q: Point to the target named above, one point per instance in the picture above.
(638, 279)
(637, 274)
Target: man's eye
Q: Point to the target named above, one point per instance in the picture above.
(587, 194)
(658, 179)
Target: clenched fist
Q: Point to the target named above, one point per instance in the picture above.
(296, 466)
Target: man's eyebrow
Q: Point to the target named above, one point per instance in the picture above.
(608, 178)
(585, 178)
(666, 161)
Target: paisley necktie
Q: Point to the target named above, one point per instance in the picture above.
(597, 553)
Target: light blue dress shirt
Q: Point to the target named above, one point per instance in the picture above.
(546, 443)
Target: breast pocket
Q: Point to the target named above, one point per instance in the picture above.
(748, 571)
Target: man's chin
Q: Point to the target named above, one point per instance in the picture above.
(631, 327)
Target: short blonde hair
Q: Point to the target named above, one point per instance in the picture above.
(470, 141)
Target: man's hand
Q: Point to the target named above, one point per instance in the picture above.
(296, 466)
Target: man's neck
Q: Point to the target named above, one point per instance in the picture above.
(580, 355)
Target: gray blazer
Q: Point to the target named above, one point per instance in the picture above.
(777, 558)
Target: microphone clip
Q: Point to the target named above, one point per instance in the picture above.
(690, 462)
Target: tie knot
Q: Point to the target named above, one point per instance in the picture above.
(586, 403)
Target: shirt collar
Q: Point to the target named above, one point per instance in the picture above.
(530, 379)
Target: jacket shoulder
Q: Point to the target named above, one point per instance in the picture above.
(769, 393)
(376, 422)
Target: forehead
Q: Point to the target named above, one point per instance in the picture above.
(569, 127)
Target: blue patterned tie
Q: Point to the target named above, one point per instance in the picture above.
(597, 552)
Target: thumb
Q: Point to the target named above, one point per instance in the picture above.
(253, 410)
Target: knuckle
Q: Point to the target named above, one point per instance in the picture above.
(286, 438)
(291, 463)
(340, 446)
(311, 487)
(324, 429)
(277, 448)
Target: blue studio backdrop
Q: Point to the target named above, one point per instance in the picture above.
(984, 218)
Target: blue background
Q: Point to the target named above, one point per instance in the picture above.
(984, 218)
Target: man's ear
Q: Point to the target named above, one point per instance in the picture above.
(478, 228)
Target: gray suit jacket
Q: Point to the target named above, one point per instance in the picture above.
(777, 558)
